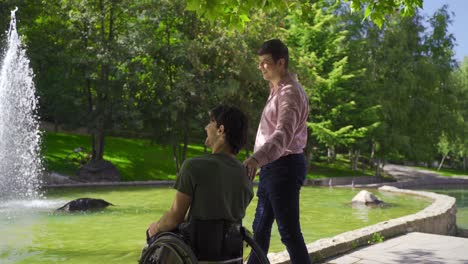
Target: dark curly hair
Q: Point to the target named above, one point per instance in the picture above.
(235, 125)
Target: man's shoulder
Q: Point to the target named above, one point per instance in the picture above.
(291, 83)
(211, 161)
(292, 89)
(205, 159)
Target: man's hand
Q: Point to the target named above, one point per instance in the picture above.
(172, 218)
(251, 165)
(153, 229)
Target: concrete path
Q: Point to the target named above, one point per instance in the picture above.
(414, 178)
(411, 248)
(404, 173)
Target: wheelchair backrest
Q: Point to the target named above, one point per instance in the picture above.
(213, 240)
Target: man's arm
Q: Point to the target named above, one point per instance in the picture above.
(175, 216)
(289, 112)
(288, 116)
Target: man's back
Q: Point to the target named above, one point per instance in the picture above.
(218, 185)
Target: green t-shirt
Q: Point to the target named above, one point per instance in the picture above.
(218, 185)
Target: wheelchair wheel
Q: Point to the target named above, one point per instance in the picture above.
(256, 253)
(168, 248)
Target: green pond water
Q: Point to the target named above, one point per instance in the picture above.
(31, 232)
(462, 204)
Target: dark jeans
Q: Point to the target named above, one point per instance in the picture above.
(278, 199)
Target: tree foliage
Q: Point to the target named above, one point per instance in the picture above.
(389, 92)
(236, 13)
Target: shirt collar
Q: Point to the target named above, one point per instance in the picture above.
(286, 79)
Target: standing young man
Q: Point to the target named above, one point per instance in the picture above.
(279, 145)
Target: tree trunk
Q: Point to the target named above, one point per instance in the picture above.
(309, 153)
(350, 156)
(377, 169)
(100, 143)
(174, 153)
(331, 154)
(102, 104)
(371, 158)
(186, 139)
(91, 128)
(56, 125)
(355, 160)
(442, 162)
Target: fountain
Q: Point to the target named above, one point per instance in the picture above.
(20, 163)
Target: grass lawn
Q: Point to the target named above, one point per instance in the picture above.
(139, 159)
(446, 172)
(340, 168)
(136, 159)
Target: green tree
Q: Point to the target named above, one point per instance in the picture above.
(439, 44)
(56, 82)
(396, 64)
(362, 42)
(459, 140)
(236, 12)
(316, 37)
(183, 66)
(94, 27)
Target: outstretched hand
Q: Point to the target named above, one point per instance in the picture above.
(251, 165)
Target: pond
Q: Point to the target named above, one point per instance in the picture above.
(31, 232)
(462, 204)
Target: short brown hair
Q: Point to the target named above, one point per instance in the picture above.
(277, 49)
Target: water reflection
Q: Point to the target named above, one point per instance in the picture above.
(461, 196)
(35, 234)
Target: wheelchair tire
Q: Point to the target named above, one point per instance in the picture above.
(256, 252)
(173, 243)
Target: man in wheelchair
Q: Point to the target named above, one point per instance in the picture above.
(213, 192)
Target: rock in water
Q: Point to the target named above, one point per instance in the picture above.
(367, 198)
(84, 204)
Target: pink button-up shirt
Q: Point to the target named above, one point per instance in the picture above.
(283, 126)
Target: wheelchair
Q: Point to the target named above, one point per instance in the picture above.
(175, 248)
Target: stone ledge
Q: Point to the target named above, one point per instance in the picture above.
(109, 184)
(437, 218)
(76, 184)
(340, 181)
(420, 183)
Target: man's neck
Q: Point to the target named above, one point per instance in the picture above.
(275, 82)
(223, 149)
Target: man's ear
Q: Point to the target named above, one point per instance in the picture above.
(282, 62)
(220, 130)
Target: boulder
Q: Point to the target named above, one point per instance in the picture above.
(84, 204)
(367, 198)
